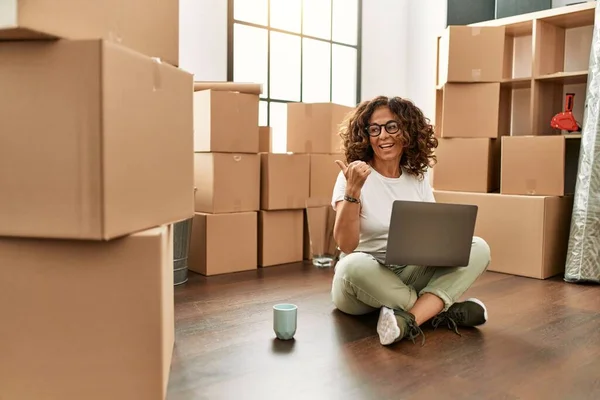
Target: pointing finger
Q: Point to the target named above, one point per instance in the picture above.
(343, 166)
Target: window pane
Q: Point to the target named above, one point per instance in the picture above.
(285, 67)
(345, 21)
(255, 11)
(344, 75)
(285, 14)
(278, 123)
(316, 67)
(263, 110)
(250, 55)
(317, 18)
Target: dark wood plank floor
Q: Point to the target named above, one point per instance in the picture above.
(542, 341)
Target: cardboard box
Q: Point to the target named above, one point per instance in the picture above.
(323, 174)
(153, 32)
(313, 127)
(280, 237)
(225, 122)
(87, 320)
(469, 165)
(528, 235)
(468, 110)
(470, 54)
(223, 243)
(284, 181)
(264, 139)
(98, 141)
(227, 182)
(540, 165)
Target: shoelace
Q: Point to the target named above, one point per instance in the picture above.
(449, 321)
(414, 330)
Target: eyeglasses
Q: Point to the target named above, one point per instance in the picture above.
(374, 130)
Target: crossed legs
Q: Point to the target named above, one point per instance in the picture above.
(362, 285)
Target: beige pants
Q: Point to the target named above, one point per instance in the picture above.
(362, 285)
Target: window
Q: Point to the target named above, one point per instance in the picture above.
(300, 50)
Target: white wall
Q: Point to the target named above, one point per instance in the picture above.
(426, 21)
(399, 49)
(203, 38)
(384, 48)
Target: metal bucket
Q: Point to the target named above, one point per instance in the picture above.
(182, 233)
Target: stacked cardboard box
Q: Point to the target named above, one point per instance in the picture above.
(312, 131)
(467, 107)
(227, 178)
(527, 223)
(283, 193)
(248, 197)
(96, 165)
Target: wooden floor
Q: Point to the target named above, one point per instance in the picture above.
(542, 341)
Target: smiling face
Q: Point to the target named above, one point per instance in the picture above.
(387, 146)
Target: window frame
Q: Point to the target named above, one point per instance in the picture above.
(230, 52)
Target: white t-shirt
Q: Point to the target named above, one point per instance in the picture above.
(377, 196)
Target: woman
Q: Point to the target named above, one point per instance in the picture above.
(389, 144)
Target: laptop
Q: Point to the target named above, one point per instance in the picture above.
(430, 234)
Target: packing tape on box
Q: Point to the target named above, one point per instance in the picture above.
(476, 74)
(475, 31)
(156, 76)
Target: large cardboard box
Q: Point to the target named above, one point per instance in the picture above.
(85, 319)
(468, 110)
(313, 127)
(280, 237)
(323, 174)
(540, 165)
(225, 122)
(469, 165)
(528, 235)
(284, 181)
(151, 28)
(223, 243)
(470, 54)
(97, 141)
(227, 182)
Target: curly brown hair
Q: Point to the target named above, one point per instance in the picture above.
(417, 134)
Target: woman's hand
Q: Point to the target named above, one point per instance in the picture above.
(356, 174)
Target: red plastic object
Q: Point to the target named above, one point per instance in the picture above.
(565, 120)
